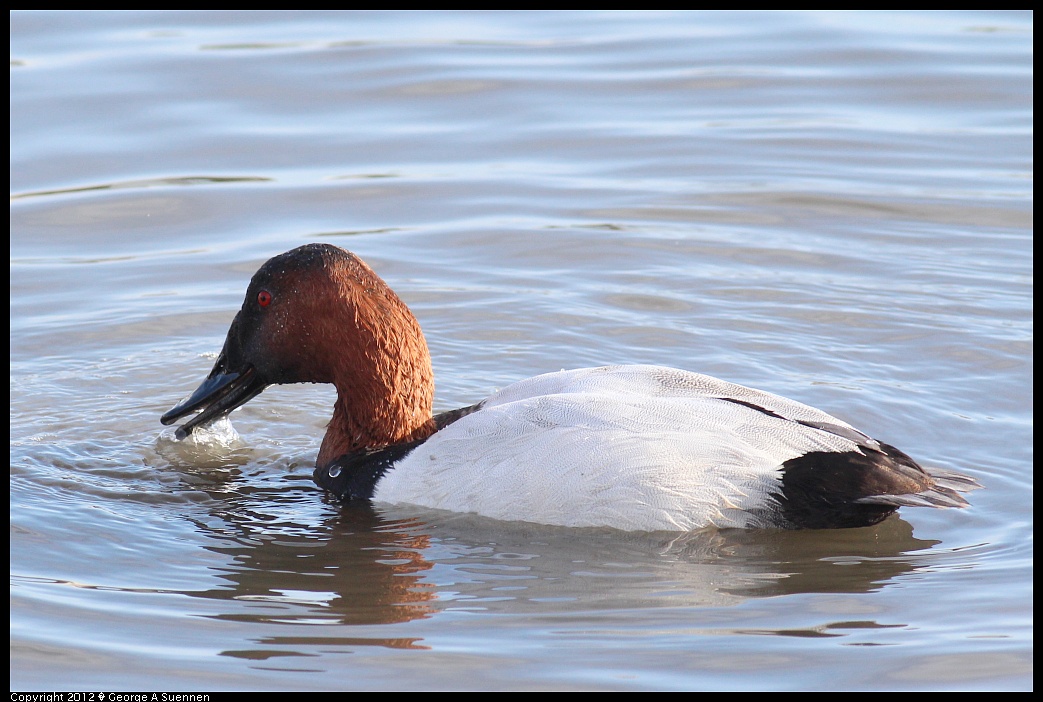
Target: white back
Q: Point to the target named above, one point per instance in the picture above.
(632, 447)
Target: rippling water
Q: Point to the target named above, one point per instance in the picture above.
(836, 207)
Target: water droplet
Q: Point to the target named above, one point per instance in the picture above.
(334, 471)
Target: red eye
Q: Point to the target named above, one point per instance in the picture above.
(264, 298)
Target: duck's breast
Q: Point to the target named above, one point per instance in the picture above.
(632, 447)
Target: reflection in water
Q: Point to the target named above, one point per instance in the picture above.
(703, 568)
(830, 560)
(356, 569)
(363, 566)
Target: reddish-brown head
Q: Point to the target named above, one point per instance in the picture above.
(318, 314)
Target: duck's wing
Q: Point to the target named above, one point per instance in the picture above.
(664, 382)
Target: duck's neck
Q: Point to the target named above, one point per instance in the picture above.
(373, 350)
(385, 412)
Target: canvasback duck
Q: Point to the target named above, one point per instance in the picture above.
(640, 448)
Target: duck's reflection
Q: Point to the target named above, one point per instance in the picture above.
(357, 568)
(361, 565)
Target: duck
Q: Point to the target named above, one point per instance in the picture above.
(630, 447)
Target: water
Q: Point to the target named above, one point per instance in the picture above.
(836, 207)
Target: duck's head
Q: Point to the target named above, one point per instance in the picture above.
(318, 314)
